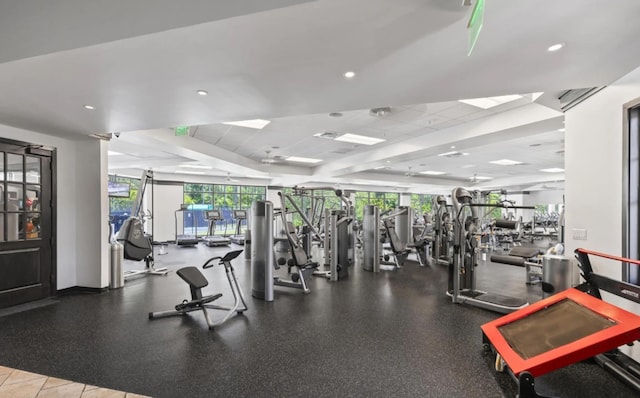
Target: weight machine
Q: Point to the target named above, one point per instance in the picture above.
(567, 328)
(137, 245)
(462, 278)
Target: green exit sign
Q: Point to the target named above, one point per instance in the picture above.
(182, 130)
(475, 24)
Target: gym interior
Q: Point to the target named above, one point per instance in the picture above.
(307, 198)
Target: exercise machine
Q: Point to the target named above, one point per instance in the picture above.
(138, 246)
(197, 281)
(462, 278)
(185, 240)
(240, 216)
(442, 231)
(263, 279)
(213, 216)
(566, 328)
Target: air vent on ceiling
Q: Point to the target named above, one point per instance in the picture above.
(380, 112)
(453, 154)
(573, 97)
(341, 151)
(329, 135)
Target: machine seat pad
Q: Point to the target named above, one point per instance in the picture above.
(524, 252)
(311, 265)
(193, 277)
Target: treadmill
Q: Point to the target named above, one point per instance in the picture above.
(566, 328)
(211, 240)
(238, 237)
(185, 240)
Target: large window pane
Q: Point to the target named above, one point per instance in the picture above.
(33, 170)
(14, 167)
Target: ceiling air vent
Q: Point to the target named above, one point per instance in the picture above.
(573, 97)
(380, 112)
(453, 154)
(329, 135)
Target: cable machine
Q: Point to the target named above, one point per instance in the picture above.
(462, 278)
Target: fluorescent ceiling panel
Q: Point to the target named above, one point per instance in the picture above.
(302, 160)
(505, 162)
(195, 166)
(359, 139)
(433, 173)
(258, 124)
(113, 153)
(490, 102)
(482, 178)
(553, 170)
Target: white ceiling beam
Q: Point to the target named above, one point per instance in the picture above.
(207, 154)
(513, 124)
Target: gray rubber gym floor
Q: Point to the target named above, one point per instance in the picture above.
(392, 334)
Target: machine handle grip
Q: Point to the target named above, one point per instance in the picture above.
(609, 256)
(208, 264)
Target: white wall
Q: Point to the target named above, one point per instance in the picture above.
(543, 197)
(66, 196)
(168, 199)
(92, 213)
(593, 172)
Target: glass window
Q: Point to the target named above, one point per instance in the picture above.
(14, 167)
(1, 166)
(33, 170)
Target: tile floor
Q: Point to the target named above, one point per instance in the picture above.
(16, 383)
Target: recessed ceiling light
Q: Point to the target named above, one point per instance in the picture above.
(89, 107)
(562, 130)
(490, 102)
(114, 153)
(482, 178)
(302, 160)
(468, 166)
(189, 172)
(433, 173)
(349, 74)
(196, 166)
(359, 139)
(555, 47)
(453, 147)
(505, 162)
(382, 168)
(202, 92)
(553, 170)
(257, 124)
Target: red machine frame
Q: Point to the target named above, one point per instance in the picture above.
(625, 330)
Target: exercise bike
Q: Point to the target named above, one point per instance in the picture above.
(198, 302)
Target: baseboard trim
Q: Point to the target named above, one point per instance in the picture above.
(81, 290)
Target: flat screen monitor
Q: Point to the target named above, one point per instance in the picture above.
(239, 214)
(119, 189)
(213, 214)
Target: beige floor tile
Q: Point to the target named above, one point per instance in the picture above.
(132, 395)
(3, 378)
(55, 382)
(18, 376)
(103, 393)
(89, 387)
(5, 371)
(25, 389)
(73, 390)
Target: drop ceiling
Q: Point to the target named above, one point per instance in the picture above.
(141, 64)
